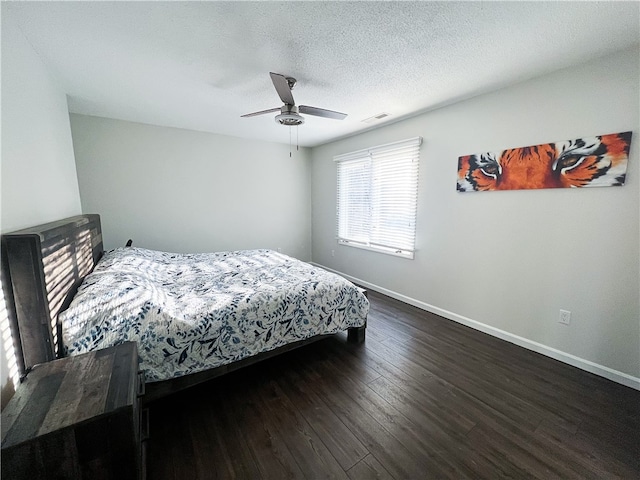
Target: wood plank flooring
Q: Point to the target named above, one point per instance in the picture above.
(423, 397)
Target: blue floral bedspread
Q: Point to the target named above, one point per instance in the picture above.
(191, 312)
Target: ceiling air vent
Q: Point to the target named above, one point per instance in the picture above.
(375, 118)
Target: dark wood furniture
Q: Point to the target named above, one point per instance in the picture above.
(43, 267)
(77, 418)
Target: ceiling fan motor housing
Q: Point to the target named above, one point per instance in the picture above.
(289, 116)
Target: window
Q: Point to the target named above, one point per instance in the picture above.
(377, 197)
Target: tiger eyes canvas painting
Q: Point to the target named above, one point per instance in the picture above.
(585, 162)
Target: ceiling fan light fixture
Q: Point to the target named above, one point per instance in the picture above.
(290, 119)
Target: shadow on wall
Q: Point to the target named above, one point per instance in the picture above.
(10, 375)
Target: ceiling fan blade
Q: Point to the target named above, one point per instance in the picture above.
(261, 112)
(321, 112)
(282, 87)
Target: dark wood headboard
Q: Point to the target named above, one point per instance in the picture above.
(43, 266)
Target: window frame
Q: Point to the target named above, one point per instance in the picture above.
(363, 234)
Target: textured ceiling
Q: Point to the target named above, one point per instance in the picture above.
(200, 65)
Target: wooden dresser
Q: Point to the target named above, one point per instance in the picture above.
(77, 418)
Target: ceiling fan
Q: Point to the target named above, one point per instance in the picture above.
(289, 112)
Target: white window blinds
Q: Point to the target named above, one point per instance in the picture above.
(377, 197)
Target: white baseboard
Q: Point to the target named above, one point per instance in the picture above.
(587, 365)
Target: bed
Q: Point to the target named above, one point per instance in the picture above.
(194, 316)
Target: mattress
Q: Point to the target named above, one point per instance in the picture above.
(192, 312)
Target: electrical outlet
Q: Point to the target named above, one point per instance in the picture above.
(279, 250)
(565, 317)
(333, 253)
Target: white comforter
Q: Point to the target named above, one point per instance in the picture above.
(190, 312)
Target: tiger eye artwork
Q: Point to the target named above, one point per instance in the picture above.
(586, 162)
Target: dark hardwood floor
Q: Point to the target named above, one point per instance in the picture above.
(423, 397)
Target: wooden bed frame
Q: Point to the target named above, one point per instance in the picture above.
(42, 269)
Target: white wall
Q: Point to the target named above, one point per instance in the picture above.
(511, 260)
(39, 182)
(186, 191)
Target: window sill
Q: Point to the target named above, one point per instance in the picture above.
(386, 250)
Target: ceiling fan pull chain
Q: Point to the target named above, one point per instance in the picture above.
(289, 142)
(297, 142)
